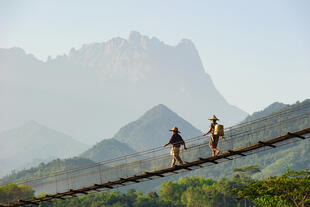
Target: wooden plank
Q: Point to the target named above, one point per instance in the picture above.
(236, 152)
(28, 202)
(154, 174)
(296, 135)
(209, 160)
(107, 186)
(54, 196)
(78, 191)
(267, 144)
(186, 168)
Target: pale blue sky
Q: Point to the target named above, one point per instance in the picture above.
(256, 52)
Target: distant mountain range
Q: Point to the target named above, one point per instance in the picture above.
(91, 91)
(23, 146)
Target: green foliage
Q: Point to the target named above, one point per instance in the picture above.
(198, 192)
(289, 189)
(269, 201)
(188, 191)
(131, 198)
(13, 192)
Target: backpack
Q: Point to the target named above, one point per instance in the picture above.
(219, 130)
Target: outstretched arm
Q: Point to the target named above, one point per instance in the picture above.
(184, 146)
(166, 144)
(208, 132)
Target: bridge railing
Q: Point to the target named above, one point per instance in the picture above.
(241, 135)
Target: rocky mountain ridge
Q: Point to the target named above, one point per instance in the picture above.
(82, 93)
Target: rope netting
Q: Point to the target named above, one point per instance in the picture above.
(244, 134)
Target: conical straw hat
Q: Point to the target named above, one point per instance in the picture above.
(213, 117)
(175, 129)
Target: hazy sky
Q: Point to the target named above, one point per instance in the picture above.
(257, 52)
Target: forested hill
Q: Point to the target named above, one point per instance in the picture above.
(45, 169)
(275, 161)
(275, 107)
(107, 149)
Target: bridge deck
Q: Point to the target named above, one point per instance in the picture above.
(229, 155)
(269, 132)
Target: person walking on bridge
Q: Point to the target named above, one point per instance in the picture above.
(175, 141)
(214, 139)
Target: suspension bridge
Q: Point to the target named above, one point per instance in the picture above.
(275, 130)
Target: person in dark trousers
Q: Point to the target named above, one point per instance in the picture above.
(175, 141)
(214, 139)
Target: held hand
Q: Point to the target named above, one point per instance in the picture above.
(185, 148)
(204, 134)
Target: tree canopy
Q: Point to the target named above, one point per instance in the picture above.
(290, 189)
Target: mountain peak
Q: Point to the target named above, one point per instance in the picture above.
(158, 110)
(137, 58)
(135, 37)
(152, 128)
(31, 125)
(31, 122)
(160, 107)
(104, 75)
(186, 43)
(17, 51)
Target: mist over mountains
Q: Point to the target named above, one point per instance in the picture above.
(32, 143)
(92, 91)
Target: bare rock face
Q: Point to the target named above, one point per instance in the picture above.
(137, 58)
(92, 91)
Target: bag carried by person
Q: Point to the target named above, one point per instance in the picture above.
(219, 130)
